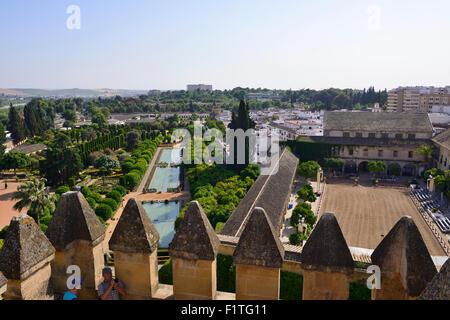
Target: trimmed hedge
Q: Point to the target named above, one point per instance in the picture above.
(121, 190)
(115, 195)
(85, 191)
(62, 189)
(104, 211)
(111, 203)
(92, 202)
(96, 196)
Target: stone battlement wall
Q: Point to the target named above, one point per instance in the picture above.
(32, 263)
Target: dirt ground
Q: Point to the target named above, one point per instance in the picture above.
(6, 204)
(366, 214)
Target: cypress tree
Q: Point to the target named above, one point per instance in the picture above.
(16, 125)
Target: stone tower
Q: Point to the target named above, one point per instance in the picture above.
(77, 235)
(25, 261)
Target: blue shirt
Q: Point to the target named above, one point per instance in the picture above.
(70, 296)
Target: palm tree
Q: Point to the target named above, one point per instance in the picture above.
(35, 196)
(426, 151)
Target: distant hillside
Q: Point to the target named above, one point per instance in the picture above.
(70, 92)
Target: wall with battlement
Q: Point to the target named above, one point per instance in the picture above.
(325, 261)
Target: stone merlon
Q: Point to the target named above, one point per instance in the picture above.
(25, 247)
(326, 249)
(3, 281)
(403, 251)
(73, 220)
(259, 244)
(195, 238)
(135, 231)
(439, 287)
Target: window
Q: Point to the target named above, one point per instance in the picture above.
(412, 136)
(398, 136)
(395, 154)
(347, 134)
(359, 135)
(385, 135)
(410, 154)
(366, 152)
(380, 153)
(372, 135)
(350, 152)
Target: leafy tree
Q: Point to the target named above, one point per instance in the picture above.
(61, 141)
(334, 164)
(395, 169)
(70, 116)
(99, 119)
(107, 162)
(442, 182)
(15, 160)
(60, 165)
(307, 193)
(133, 139)
(308, 169)
(432, 172)
(295, 238)
(35, 196)
(376, 167)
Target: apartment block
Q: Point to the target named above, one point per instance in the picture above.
(417, 99)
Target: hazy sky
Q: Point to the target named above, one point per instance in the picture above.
(166, 44)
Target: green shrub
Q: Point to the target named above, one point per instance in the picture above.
(226, 273)
(115, 195)
(165, 273)
(121, 190)
(3, 232)
(72, 182)
(96, 196)
(85, 191)
(92, 202)
(359, 291)
(62, 189)
(1, 243)
(295, 239)
(44, 227)
(46, 219)
(111, 203)
(132, 180)
(291, 286)
(219, 226)
(103, 211)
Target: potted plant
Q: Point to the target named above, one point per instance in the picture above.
(376, 182)
(356, 181)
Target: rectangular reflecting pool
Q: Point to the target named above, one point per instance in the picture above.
(165, 178)
(172, 156)
(163, 217)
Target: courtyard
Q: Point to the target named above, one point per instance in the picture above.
(366, 214)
